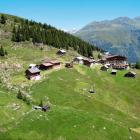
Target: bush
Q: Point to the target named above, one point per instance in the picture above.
(3, 19)
(3, 52)
(137, 66)
(41, 103)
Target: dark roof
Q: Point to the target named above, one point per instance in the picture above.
(46, 107)
(89, 60)
(115, 57)
(105, 66)
(34, 70)
(62, 51)
(131, 72)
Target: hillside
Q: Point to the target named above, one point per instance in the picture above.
(75, 114)
(20, 30)
(121, 36)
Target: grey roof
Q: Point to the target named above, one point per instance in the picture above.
(114, 70)
(131, 72)
(34, 70)
(105, 66)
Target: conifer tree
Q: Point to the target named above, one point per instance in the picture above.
(3, 19)
(2, 52)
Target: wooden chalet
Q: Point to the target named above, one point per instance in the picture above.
(45, 108)
(114, 72)
(61, 52)
(130, 74)
(102, 61)
(46, 66)
(116, 59)
(69, 65)
(50, 64)
(56, 64)
(78, 60)
(120, 66)
(88, 62)
(33, 73)
(104, 68)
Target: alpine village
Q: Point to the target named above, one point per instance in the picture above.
(55, 86)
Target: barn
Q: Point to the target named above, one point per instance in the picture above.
(88, 62)
(33, 73)
(104, 68)
(130, 74)
(61, 52)
(78, 60)
(46, 66)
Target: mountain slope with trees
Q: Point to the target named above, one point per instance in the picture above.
(38, 33)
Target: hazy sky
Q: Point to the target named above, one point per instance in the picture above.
(69, 14)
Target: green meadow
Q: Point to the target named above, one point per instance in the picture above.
(75, 114)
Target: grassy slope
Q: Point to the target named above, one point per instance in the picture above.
(75, 114)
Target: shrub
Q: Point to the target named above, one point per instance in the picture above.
(41, 103)
(137, 66)
(20, 95)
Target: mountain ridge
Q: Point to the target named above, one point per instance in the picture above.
(120, 35)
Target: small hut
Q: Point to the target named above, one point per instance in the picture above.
(88, 62)
(130, 74)
(45, 108)
(61, 52)
(114, 72)
(56, 64)
(33, 73)
(78, 60)
(69, 65)
(46, 66)
(104, 68)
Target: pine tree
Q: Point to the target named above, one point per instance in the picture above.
(3, 19)
(137, 66)
(41, 103)
(2, 52)
(48, 35)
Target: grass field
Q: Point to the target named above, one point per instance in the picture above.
(76, 114)
(112, 113)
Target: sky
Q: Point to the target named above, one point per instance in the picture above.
(70, 14)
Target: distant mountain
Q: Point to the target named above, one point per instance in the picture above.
(73, 31)
(119, 36)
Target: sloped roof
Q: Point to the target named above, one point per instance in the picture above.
(131, 72)
(47, 64)
(105, 66)
(34, 70)
(115, 57)
(79, 58)
(54, 61)
(114, 70)
(63, 51)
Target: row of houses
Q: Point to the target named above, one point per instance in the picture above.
(116, 62)
(33, 72)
